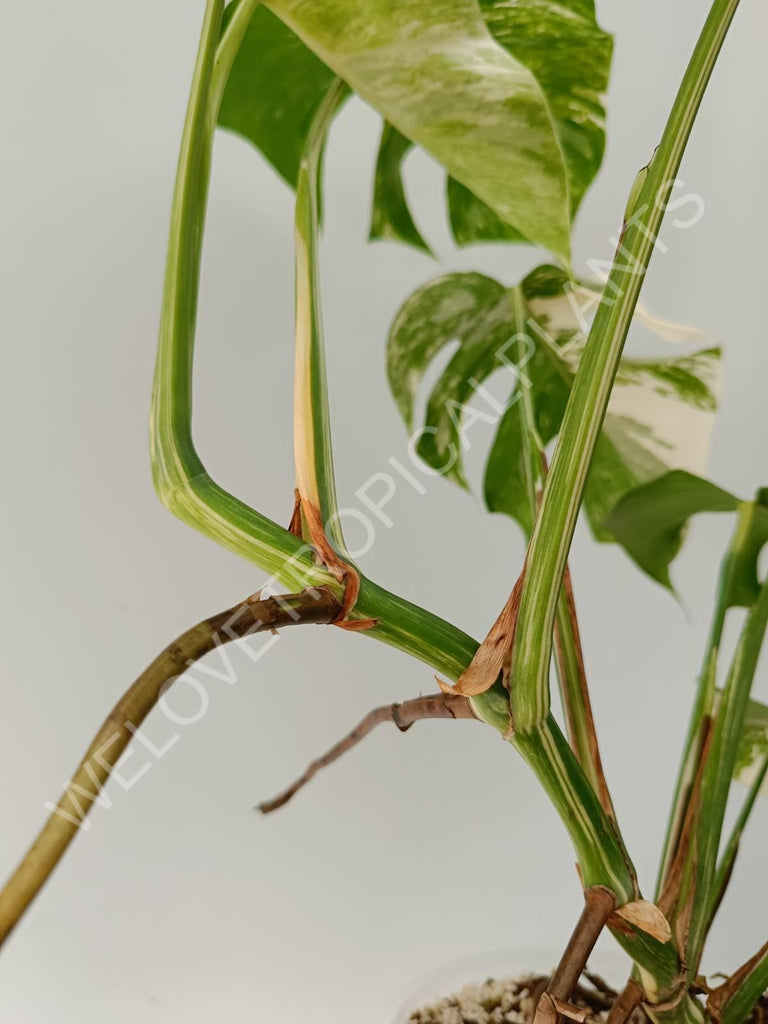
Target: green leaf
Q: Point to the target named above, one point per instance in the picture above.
(570, 57)
(505, 479)
(275, 88)
(391, 217)
(743, 585)
(660, 415)
(472, 220)
(650, 523)
(753, 745)
(429, 70)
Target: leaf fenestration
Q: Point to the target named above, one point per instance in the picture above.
(428, 70)
(517, 174)
(391, 217)
(275, 89)
(660, 415)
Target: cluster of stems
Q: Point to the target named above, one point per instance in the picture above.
(664, 938)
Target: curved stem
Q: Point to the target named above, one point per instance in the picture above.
(180, 478)
(186, 488)
(122, 723)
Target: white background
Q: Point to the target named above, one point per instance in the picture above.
(181, 903)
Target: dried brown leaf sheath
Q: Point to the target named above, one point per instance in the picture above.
(492, 654)
(345, 573)
(645, 916)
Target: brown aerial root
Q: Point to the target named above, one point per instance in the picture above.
(438, 705)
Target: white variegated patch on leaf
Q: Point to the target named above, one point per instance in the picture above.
(472, 309)
(660, 417)
(436, 73)
(508, 97)
(661, 413)
(753, 746)
(570, 56)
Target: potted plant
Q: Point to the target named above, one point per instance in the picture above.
(508, 98)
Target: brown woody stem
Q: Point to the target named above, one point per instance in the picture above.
(437, 705)
(599, 904)
(251, 616)
(626, 1003)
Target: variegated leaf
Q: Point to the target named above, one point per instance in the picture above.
(519, 172)
(429, 70)
(472, 309)
(753, 746)
(660, 414)
(570, 56)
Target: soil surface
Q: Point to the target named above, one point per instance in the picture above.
(513, 1000)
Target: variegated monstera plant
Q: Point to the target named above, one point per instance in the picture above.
(507, 96)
